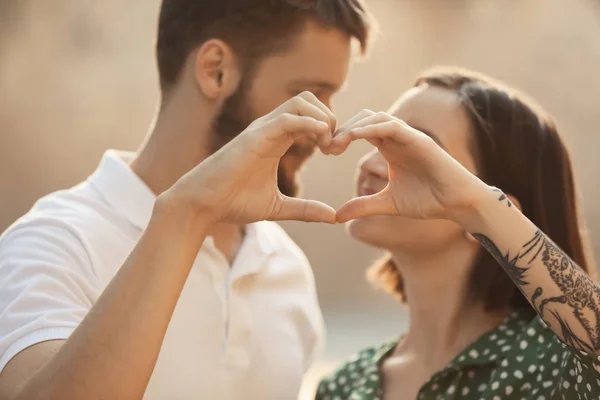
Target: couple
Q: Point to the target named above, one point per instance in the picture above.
(155, 277)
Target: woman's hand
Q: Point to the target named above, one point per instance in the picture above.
(424, 180)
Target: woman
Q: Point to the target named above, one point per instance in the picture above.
(520, 320)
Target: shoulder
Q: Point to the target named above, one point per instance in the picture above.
(526, 336)
(58, 229)
(52, 220)
(47, 279)
(83, 207)
(359, 371)
(72, 206)
(552, 351)
(545, 363)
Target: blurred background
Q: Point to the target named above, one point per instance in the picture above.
(79, 77)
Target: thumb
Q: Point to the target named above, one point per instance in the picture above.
(376, 204)
(305, 210)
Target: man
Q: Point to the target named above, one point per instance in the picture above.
(150, 279)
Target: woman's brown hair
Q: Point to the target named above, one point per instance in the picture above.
(517, 148)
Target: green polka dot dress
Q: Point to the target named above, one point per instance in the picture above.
(520, 359)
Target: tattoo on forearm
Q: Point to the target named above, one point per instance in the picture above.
(579, 296)
(503, 197)
(578, 291)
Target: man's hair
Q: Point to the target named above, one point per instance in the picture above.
(253, 28)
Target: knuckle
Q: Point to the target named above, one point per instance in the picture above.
(256, 123)
(383, 115)
(296, 101)
(366, 112)
(307, 95)
(284, 119)
(401, 122)
(397, 124)
(426, 140)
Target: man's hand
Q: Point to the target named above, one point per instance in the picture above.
(238, 183)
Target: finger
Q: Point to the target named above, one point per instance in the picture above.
(374, 118)
(301, 127)
(376, 204)
(358, 117)
(307, 104)
(305, 210)
(302, 107)
(394, 129)
(299, 106)
(314, 100)
(376, 142)
(278, 135)
(343, 138)
(339, 149)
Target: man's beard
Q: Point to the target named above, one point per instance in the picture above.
(235, 116)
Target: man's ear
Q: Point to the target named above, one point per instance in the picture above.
(216, 69)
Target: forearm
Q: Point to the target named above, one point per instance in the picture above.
(112, 354)
(560, 291)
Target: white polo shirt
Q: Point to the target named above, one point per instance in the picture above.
(246, 331)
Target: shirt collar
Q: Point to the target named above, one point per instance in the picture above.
(128, 195)
(494, 343)
(256, 250)
(122, 189)
(259, 231)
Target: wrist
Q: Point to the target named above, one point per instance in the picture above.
(484, 202)
(179, 218)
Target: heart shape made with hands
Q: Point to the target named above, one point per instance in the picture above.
(239, 181)
(365, 125)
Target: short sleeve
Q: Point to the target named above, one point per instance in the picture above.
(46, 285)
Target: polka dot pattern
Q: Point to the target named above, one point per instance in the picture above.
(521, 359)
